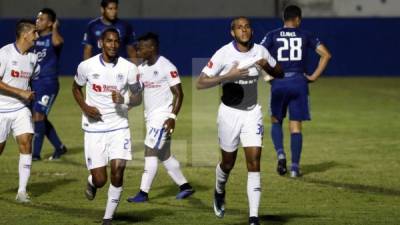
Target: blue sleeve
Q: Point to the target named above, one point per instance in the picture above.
(89, 38)
(313, 41)
(267, 41)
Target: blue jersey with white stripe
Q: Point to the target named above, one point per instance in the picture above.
(96, 27)
(48, 57)
(289, 47)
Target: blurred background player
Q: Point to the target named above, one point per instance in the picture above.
(289, 46)
(109, 18)
(163, 98)
(17, 66)
(45, 85)
(239, 114)
(105, 117)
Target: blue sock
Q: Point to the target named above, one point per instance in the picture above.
(40, 130)
(277, 139)
(296, 144)
(52, 136)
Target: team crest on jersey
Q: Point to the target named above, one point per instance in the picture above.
(98, 32)
(95, 76)
(120, 77)
(155, 73)
(14, 63)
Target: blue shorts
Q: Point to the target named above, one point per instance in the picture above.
(45, 95)
(290, 93)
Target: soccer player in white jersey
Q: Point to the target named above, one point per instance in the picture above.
(105, 116)
(163, 97)
(17, 66)
(239, 115)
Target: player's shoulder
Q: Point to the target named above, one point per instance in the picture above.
(90, 61)
(95, 22)
(126, 63)
(163, 61)
(225, 49)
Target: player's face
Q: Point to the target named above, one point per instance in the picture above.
(145, 50)
(31, 36)
(43, 22)
(110, 44)
(110, 11)
(242, 31)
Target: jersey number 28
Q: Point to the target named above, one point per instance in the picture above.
(293, 45)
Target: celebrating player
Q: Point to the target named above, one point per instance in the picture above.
(105, 116)
(17, 66)
(289, 46)
(239, 115)
(163, 97)
(109, 11)
(45, 85)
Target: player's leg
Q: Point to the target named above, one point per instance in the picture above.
(115, 189)
(251, 137)
(2, 146)
(173, 168)
(5, 127)
(278, 106)
(40, 130)
(298, 112)
(23, 132)
(59, 147)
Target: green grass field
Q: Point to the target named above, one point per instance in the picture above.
(350, 161)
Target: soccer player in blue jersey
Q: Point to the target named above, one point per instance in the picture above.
(109, 11)
(289, 46)
(45, 85)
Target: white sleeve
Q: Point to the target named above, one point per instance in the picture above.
(81, 75)
(215, 65)
(267, 56)
(172, 75)
(133, 74)
(3, 63)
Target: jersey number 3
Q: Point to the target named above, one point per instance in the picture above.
(293, 45)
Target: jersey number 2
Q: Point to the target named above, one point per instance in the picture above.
(293, 45)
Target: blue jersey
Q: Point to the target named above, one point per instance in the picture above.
(48, 56)
(289, 47)
(96, 27)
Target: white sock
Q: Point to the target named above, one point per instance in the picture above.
(24, 169)
(90, 180)
(150, 171)
(114, 194)
(174, 170)
(221, 179)
(253, 192)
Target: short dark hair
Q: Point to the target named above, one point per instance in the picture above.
(50, 13)
(104, 3)
(23, 25)
(291, 12)
(238, 18)
(108, 30)
(150, 36)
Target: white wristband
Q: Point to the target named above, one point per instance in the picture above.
(172, 116)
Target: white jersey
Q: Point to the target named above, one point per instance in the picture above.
(16, 70)
(224, 59)
(157, 80)
(101, 79)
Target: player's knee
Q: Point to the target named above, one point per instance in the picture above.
(117, 179)
(227, 166)
(275, 120)
(253, 165)
(100, 180)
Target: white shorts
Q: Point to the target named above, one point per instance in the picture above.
(100, 148)
(19, 122)
(236, 125)
(155, 133)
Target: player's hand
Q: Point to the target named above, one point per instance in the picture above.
(27, 95)
(311, 78)
(235, 73)
(169, 126)
(92, 112)
(117, 97)
(56, 25)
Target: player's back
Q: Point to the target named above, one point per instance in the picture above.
(48, 56)
(289, 47)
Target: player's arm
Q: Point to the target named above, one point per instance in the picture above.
(56, 37)
(177, 92)
(90, 111)
(269, 63)
(87, 52)
(325, 56)
(16, 92)
(204, 81)
(131, 50)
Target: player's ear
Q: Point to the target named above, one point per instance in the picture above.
(233, 34)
